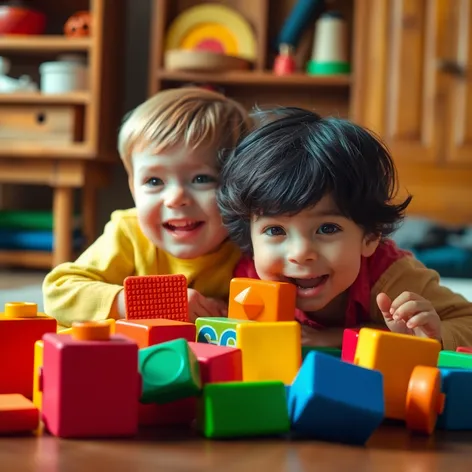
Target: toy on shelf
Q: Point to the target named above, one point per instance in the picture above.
(209, 37)
(79, 25)
(330, 47)
(68, 74)
(284, 63)
(18, 19)
(24, 83)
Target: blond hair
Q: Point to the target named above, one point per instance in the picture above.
(188, 116)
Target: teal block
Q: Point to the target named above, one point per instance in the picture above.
(220, 331)
(331, 351)
(169, 371)
(241, 409)
(455, 359)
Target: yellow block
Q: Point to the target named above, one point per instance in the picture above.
(395, 355)
(38, 362)
(270, 350)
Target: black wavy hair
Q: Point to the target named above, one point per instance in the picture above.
(293, 159)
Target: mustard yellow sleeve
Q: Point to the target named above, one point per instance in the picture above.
(84, 290)
(409, 274)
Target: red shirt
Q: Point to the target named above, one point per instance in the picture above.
(358, 305)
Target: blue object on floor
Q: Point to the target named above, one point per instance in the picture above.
(449, 261)
(33, 240)
(332, 400)
(457, 385)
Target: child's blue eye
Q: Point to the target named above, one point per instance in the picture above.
(203, 179)
(328, 228)
(274, 231)
(154, 182)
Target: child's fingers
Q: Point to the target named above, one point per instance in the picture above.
(384, 303)
(420, 319)
(403, 298)
(410, 308)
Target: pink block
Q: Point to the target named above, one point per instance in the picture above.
(350, 337)
(90, 388)
(178, 413)
(465, 350)
(218, 363)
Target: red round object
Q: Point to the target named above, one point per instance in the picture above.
(21, 21)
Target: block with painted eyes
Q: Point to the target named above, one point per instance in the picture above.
(218, 330)
(261, 300)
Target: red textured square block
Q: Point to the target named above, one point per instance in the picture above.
(17, 414)
(149, 332)
(218, 363)
(156, 296)
(90, 388)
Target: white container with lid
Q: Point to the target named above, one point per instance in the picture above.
(63, 77)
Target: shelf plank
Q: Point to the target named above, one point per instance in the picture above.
(73, 98)
(22, 258)
(256, 78)
(43, 43)
(40, 150)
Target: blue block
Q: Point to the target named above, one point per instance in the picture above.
(457, 385)
(336, 401)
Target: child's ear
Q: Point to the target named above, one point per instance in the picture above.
(370, 244)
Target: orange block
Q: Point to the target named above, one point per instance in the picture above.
(261, 300)
(17, 414)
(20, 327)
(149, 332)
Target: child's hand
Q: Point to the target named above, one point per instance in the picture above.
(329, 337)
(200, 306)
(410, 313)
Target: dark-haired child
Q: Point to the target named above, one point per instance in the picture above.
(310, 201)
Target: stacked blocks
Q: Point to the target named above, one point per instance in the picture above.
(322, 407)
(217, 330)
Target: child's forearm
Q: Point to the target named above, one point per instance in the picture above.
(117, 310)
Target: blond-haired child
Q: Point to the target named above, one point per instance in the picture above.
(169, 146)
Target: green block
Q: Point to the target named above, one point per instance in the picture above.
(169, 371)
(455, 359)
(239, 409)
(220, 331)
(332, 351)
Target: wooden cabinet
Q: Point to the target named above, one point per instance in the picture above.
(66, 141)
(414, 88)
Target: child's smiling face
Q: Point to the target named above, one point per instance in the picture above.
(319, 250)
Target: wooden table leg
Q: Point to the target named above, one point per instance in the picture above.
(89, 216)
(62, 214)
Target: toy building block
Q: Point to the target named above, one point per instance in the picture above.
(271, 351)
(457, 386)
(218, 363)
(179, 413)
(156, 296)
(337, 401)
(395, 355)
(20, 327)
(90, 383)
(218, 330)
(109, 321)
(261, 300)
(17, 414)
(239, 409)
(350, 336)
(331, 351)
(169, 372)
(465, 350)
(455, 359)
(424, 400)
(149, 332)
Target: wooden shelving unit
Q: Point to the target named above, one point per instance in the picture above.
(325, 94)
(83, 161)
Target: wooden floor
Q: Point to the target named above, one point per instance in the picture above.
(17, 278)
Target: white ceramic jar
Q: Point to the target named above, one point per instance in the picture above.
(63, 77)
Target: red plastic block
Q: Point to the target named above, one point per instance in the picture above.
(17, 414)
(149, 332)
(90, 383)
(156, 296)
(20, 327)
(218, 363)
(467, 350)
(350, 336)
(179, 413)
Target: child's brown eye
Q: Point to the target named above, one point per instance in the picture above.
(274, 231)
(328, 228)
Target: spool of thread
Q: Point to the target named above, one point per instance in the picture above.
(330, 46)
(284, 63)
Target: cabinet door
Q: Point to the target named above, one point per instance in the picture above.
(457, 63)
(398, 91)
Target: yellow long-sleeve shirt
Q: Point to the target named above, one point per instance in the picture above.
(85, 290)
